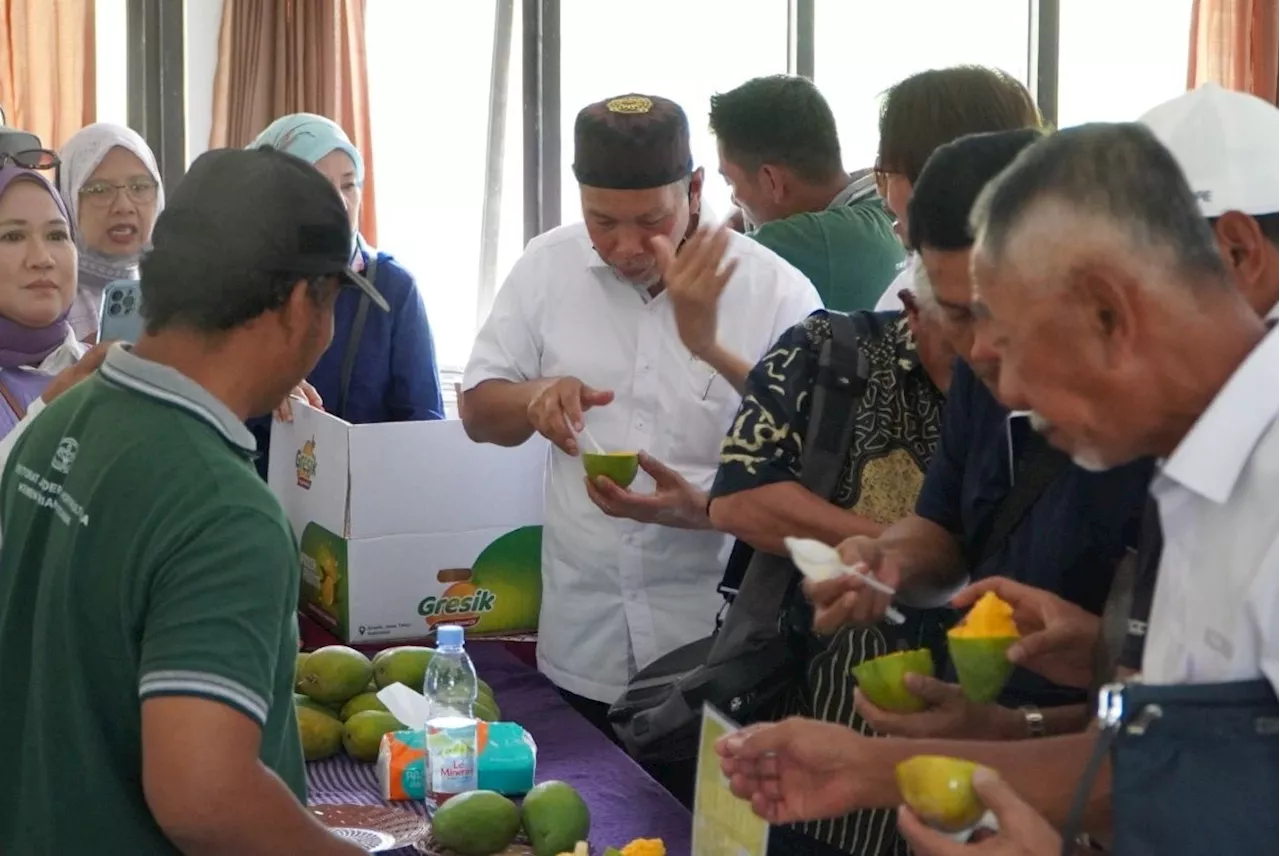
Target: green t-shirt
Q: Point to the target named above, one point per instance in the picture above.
(849, 252)
(142, 556)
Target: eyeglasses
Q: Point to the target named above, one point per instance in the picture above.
(31, 159)
(100, 194)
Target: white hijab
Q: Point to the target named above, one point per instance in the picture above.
(80, 156)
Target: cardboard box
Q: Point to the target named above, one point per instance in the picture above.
(407, 525)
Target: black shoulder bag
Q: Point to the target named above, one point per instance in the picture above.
(755, 657)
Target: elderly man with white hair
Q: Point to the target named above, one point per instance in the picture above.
(1215, 615)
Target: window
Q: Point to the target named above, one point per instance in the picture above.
(860, 50)
(685, 50)
(1118, 60)
(429, 74)
(111, 61)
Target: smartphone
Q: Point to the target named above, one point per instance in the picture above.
(120, 316)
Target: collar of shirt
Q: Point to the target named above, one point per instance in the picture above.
(855, 191)
(124, 368)
(1212, 455)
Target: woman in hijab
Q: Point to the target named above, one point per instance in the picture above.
(392, 363)
(37, 286)
(111, 187)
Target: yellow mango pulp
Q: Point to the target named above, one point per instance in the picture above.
(989, 618)
(940, 790)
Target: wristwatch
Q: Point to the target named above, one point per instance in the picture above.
(1034, 720)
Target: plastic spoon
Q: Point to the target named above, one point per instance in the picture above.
(819, 562)
(592, 440)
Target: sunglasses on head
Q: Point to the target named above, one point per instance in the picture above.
(31, 159)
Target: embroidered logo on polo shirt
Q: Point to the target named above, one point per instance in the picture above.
(65, 455)
(305, 463)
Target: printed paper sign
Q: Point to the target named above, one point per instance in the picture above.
(723, 825)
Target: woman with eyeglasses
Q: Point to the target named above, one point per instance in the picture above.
(111, 186)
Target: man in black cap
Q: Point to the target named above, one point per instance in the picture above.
(585, 322)
(150, 578)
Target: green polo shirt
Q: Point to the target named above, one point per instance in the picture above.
(848, 251)
(142, 556)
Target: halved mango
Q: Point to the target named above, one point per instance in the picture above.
(882, 679)
(618, 467)
(940, 790)
(979, 647)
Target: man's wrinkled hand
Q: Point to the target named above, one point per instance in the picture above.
(72, 375)
(556, 411)
(948, 714)
(1058, 638)
(674, 501)
(797, 769)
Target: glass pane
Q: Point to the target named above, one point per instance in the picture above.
(111, 47)
(685, 50)
(429, 102)
(863, 48)
(1119, 58)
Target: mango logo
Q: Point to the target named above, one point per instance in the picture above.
(461, 603)
(305, 463)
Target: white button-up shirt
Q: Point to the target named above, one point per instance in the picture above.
(617, 594)
(1214, 612)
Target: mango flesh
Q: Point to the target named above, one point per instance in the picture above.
(362, 734)
(618, 467)
(320, 731)
(406, 664)
(555, 818)
(334, 674)
(940, 791)
(989, 618)
(979, 647)
(882, 679)
(476, 823)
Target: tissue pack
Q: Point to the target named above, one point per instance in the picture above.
(507, 757)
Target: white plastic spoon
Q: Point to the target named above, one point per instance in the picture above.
(819, 562)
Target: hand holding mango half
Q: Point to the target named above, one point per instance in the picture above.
(979, 647)
(1058, 637)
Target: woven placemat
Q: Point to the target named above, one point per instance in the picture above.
(375, 828)
(519, 847)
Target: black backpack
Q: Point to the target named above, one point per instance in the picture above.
(757, 655)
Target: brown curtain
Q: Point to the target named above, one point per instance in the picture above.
(47, 80)
(1233, 43)
(277, 57)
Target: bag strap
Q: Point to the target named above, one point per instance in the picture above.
(18, 408)
(841, 380)
(1036, 465)
(353, 340)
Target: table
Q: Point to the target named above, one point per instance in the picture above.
(625, 802)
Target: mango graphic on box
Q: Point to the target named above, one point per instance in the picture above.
(979, 647)
(940, 790)
(882, 679)
(324, 571)
(305, 463)
(502, 591)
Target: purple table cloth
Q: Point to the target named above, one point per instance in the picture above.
(625, 802)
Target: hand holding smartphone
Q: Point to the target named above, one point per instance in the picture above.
(120, 316)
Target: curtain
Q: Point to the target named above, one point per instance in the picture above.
(1233, 43)
(277, 57)
(47, 80)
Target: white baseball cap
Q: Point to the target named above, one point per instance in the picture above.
(1228, 145)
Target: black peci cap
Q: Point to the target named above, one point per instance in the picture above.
(259, 210)
(632, 142)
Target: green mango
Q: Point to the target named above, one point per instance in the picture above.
(882, 679)
(982, 665)
(619, 467)
(476, 823)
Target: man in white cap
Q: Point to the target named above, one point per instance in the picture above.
(1216, 613)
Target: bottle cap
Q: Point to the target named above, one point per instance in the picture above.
(449, 636)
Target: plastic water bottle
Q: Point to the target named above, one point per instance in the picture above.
(450, 690)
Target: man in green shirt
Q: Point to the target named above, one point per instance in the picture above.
(780, 154)
(148, 578)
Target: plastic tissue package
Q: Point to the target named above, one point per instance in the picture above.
(507, 754)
